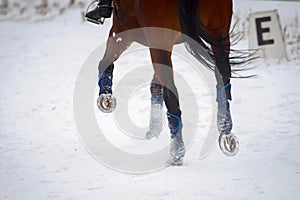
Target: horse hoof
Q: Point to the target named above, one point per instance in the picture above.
(150, 134)
(229, 144)
(106, 103)
(176, 162)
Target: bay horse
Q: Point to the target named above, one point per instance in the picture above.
(206, 22)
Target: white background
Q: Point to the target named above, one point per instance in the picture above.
(41, 156)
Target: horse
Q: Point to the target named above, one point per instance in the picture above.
(206, 22)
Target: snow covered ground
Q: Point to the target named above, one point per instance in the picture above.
(42, 157)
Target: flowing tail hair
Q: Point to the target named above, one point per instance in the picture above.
(199, 43)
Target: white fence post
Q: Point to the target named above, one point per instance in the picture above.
(266, 34)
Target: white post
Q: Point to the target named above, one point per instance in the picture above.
(266, 34)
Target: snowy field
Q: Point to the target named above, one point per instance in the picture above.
(42, 156)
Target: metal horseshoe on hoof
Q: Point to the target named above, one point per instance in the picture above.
(106, 103)
(229, 144)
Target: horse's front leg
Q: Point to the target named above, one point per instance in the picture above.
(163, 70)
(156, 113)
(116, 45)
(227, 141)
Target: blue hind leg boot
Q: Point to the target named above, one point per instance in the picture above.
(224, 121)
(177, 148)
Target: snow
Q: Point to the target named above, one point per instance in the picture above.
(42, 156)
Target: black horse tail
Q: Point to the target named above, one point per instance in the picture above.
(192, 32)
(198, 42)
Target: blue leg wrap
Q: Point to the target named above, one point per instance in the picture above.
(156, 89)
(224, 121)
(157, 100)
(156, 93)
(156, 115)
(177, 147)
(223, 93)
(105, 82)
(174, 123)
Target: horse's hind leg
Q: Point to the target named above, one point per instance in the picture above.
(223, 74)
(116, 45)
(163, 70)
(227, 141)
(156, 115)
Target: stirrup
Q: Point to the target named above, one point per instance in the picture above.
(102, 11)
